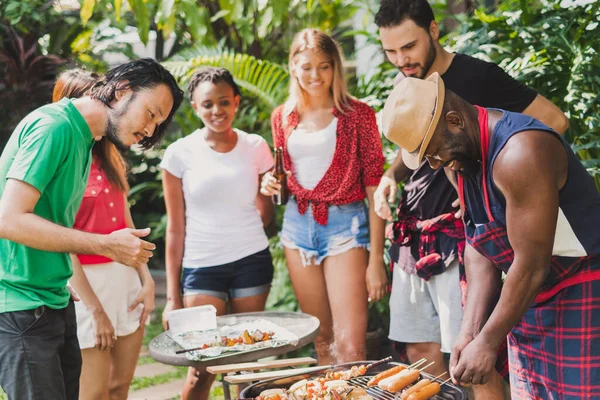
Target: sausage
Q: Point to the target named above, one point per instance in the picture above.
(384, 382)
(385, 374)
(403, 379)
(414, 388)
(426, 392)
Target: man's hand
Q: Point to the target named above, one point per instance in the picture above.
(126, 247)
(461, 341)
(475, 363)
(145, 297)
(172, 304)
(377, 281)
(103, 329)
(385, 192)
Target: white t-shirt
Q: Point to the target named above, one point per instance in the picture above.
(312, 153)
(219, 189)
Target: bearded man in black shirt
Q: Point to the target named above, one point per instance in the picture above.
(428, 238)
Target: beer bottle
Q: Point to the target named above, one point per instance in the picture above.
(279, 174)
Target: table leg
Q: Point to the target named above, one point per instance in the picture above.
(226, 392)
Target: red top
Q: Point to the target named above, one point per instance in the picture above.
(102, 210)
(357, 161)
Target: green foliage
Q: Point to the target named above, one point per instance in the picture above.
(262, 79)
(26, 78)
(552, 47)
(263, 29)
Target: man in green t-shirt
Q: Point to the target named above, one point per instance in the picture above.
(43, 174)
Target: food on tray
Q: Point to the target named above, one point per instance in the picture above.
(245, 338)
(426, 392)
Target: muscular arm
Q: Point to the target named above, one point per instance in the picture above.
(531, 215)
(175, 233)
(545, 111)
(484, 280)
(19, 224)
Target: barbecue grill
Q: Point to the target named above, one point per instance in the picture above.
(448, 392)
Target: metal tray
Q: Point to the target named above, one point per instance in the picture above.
(449, 391)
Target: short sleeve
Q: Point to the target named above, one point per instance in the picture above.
(43, 146)
(503, 91)
(172, 162)
(370, 149)
(264, 158)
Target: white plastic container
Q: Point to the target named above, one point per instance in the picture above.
(201, 318)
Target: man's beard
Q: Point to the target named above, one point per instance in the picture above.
(429, 60)
(469, 167)
(112, 121)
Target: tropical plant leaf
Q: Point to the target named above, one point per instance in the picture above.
(141, 13)
(87, 9)
(266, 80)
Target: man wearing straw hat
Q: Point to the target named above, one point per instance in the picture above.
(530, 211)
(427, 239)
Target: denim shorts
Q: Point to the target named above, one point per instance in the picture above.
(347, 227)
(248, 276)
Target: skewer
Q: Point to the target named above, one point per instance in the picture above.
(186, 350)
(446, 381)
(421, 361)
(382, 361)
(428, 365)
(438, 377)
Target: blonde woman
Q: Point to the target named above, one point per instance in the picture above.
(332, 149)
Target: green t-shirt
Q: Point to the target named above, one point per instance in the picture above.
(51, 150)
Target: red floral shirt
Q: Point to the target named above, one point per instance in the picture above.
(357, 162)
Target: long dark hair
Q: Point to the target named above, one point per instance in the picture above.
(76, 83)
(140, 74)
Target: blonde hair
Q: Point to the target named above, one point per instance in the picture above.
(318, 41)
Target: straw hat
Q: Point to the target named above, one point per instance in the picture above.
(411, 114)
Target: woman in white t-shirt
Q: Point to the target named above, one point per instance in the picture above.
(215, 213)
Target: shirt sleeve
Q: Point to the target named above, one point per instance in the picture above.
(172, 162)
(43, 147)
(370, 149)
(500, 90)
(264, 159)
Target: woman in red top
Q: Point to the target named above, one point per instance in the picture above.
(114, 304)
(333, 153)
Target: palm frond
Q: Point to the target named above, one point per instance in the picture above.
(266, 80)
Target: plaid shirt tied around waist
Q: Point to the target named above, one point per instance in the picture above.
(429, 262)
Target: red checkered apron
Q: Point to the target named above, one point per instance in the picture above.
(554, 351)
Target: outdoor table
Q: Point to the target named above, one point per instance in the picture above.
(162, 348)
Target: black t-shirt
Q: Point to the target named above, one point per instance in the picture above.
(428, 193)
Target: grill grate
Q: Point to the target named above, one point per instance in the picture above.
(379, 394)
(449, 391)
